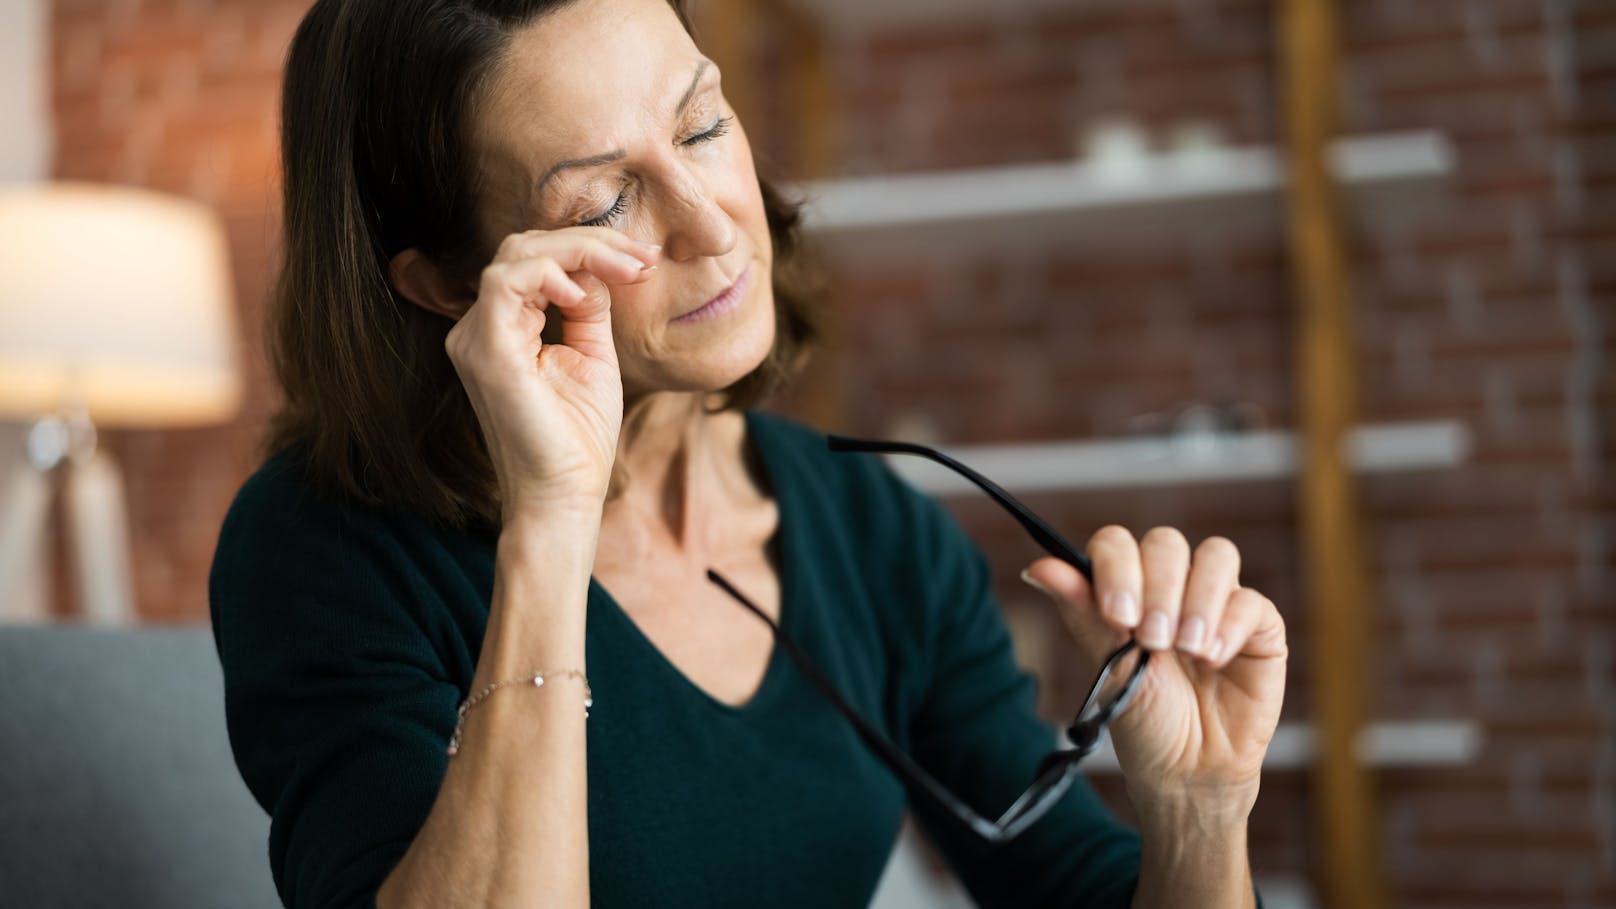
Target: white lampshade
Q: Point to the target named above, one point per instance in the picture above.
(117, 300)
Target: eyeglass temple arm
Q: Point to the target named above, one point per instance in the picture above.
(1053, 543)
(929, 789)
(1083, 734)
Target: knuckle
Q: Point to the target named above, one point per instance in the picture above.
(1251, 601)
(554, 273)
(494, 274)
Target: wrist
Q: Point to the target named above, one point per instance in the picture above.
(1193, 868)
(537, 617)
(1184, 834)
(1191, 833)
(1209, 813)
(541, 515)
(1193, 847)
(560, 538)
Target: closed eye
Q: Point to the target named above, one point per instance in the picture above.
(606, 217)
(719, 128)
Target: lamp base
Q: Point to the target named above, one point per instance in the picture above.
(24, 507)
(98, 527)
(99, 530)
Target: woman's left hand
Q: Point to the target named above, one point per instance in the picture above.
(1200, 721)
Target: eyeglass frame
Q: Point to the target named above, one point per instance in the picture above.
(1056, 772)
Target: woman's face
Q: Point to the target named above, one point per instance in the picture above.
(605, 113)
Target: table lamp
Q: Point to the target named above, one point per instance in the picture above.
(116, 310)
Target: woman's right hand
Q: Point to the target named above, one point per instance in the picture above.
(550, 413)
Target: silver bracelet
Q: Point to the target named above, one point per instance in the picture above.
(535, 679)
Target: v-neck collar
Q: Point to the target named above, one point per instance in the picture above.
(761, 445)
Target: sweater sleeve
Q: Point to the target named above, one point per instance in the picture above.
(338, 707)
(976, 730)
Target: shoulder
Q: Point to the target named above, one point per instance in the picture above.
(277, 492)
(281, 502)
(278, 520)
(282, 490)
(290, 558)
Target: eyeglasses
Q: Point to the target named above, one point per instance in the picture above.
(1112, 690)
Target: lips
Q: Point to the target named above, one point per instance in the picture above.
(726, 300)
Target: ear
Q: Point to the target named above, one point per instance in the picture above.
(421, 282)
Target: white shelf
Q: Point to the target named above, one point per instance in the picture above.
(1387, 744)
(864, 16)
(1238, 189)
(1227, 458)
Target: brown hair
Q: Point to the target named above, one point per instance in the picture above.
(375, 117)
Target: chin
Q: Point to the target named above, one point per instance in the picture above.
(719, 368)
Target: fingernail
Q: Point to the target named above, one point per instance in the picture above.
(1192, 634)
(1215, 652)
(631, 261)
(653, 247)
(1123, 607)
(1156, 633)
(1030, 581)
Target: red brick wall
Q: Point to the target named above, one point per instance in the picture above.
(181, 97)
(1495, 578)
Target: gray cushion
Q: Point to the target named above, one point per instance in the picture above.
(117, 787)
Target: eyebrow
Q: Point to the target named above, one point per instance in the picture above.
(619, 154)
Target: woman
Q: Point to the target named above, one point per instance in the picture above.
(532, 284)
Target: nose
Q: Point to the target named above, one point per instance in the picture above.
(695, 224)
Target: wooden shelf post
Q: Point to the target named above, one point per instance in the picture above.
(1334, 557)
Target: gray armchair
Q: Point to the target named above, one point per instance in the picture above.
(117, 787)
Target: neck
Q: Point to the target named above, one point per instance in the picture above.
(675, 463)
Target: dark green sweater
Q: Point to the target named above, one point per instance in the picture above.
(349, 635)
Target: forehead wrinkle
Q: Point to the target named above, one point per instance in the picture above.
(618, 154)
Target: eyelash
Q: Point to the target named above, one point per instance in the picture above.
(604, 218)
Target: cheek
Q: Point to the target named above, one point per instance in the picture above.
(629, 305)
(741, 173)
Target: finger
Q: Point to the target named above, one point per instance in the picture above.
(645, 251)
(511, 285)
(1118, 579)
(1251, 626)
(516, 287)
(1074, 599)
(562, 245)
(575, 253)
(1165, 556)
(610, 265)
(588, 327)
(1214, 574)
